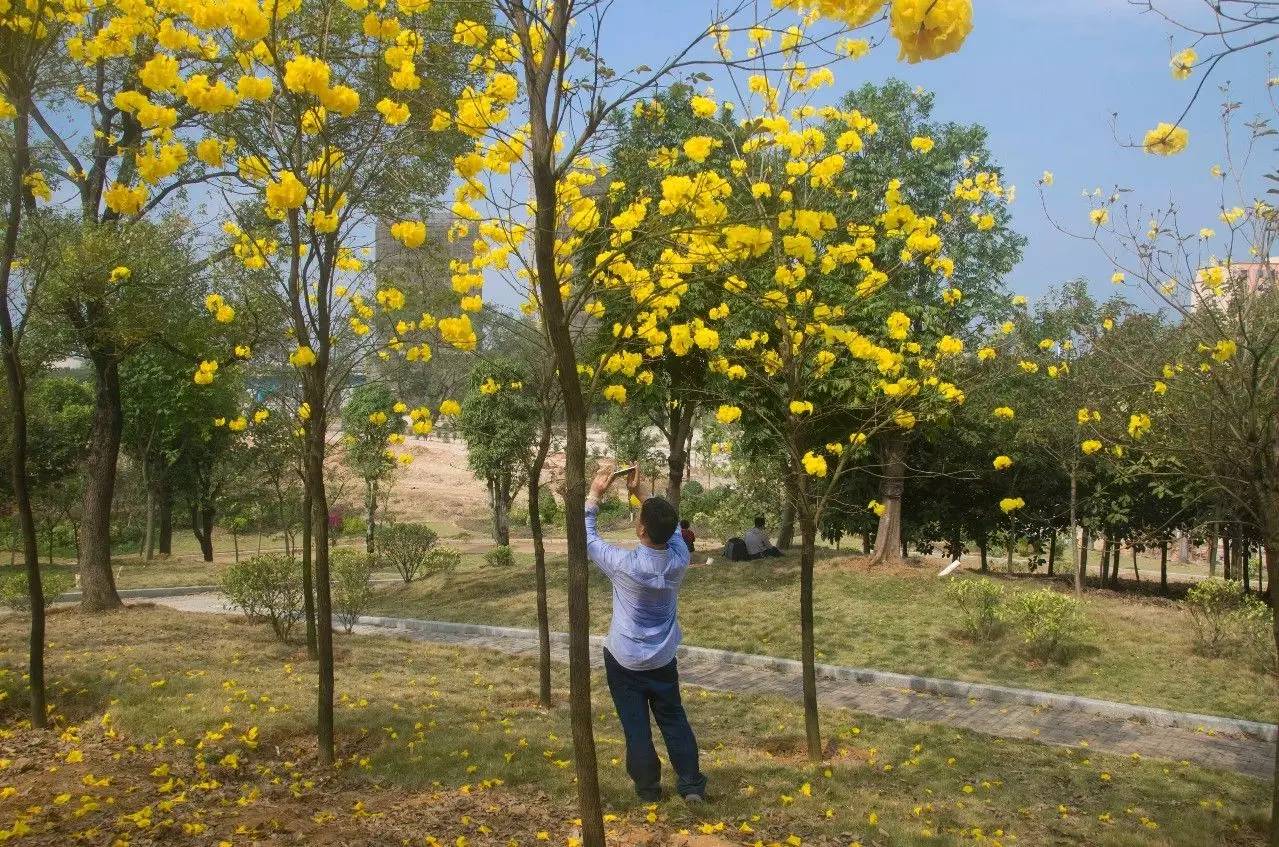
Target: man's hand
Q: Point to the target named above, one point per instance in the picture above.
(603, 479)
(635, 486)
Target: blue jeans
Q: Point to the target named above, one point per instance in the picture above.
(634, 694)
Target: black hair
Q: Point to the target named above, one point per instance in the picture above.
(659, 519)
(683, 524)
(759, 521)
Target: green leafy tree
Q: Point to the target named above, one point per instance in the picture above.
(372, 422)
(499, 422)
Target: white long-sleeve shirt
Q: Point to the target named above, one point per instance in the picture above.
(644, 633)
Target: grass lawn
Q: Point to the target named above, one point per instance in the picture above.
(898, 620)
(161, 740)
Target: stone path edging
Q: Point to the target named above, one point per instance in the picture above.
(930, 685)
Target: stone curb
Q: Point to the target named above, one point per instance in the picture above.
(177, 591)
(865, 676)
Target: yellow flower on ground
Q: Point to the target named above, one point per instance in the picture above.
(1002, 463)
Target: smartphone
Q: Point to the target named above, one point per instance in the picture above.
(620, 473)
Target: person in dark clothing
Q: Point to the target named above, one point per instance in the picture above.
(689, 538)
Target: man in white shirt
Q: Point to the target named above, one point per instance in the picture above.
(639, 653)
(757, 544)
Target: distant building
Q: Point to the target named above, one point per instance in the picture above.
(1249, 277)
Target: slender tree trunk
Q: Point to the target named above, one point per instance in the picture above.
(15, 380)
(148, 532)
(888, 538)
(786, 527)
(1078, 563)
(556, 324)
(1136, 573)
(1246, 555)
(370, 513)
(315, 383)
(1086, 538)
(808, 650)
(97, 581)
(983, 548)
(865, 543)
(165, 541)
(202, 529)
(679, 430)
(308, 586)
(235, 543)
(1116, 549)
(1052, 552)
(502, 509)
(1104, 570)
(1183, 548)
(1212, 550)
(1227, 555)
(1163, 567)
(539, 567)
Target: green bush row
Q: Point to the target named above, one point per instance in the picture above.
(1052, 627)
(1228, 621)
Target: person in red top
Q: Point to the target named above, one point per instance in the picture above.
(687, 534)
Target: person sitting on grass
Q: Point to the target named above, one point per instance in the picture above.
(690, 539)
(639, 652)
(757, 544)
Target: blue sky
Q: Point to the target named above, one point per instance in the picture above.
(1045, 77)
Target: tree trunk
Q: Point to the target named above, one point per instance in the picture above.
(502, 509)
(865, 543)
(202, 529)
(1183, 548)
(888, 538)
(807, 557)
(1104, 570)
(148, 532)
(1052, 552)
(1136, 573)
(1085, 537)
(97, 581)
(1078, 563)
(315, 385)
(983, 547)
(539, 567)
(786, 528)
(1246, 555)
(1227, 555)
(1212, 550)
(679, 432)
(556, 324)
(165, 540)
(370, 513)
(1163, 567)
(1115, 550)
(15, 379)
(308, 587)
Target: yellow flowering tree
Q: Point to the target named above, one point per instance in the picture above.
(546, 58)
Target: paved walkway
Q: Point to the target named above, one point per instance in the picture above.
(719, 670)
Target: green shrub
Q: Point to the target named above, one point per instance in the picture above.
(548, 507)
(267, 587)
(352, 579)
(499, 557)
(351, 525)
(1052, 626)
(979, 602)
(406, 548)
(1214, 605)
(443, 560)
(13, 589)
(1255, 623)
